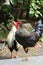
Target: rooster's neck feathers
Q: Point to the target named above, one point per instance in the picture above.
(15, 24)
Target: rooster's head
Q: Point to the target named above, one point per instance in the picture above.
(17, 24)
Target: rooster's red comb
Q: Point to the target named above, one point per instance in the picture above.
(16, 24)
(19, 22)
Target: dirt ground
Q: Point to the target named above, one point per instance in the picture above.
(5, 52)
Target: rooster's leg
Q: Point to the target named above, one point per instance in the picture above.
(11, 55)
(26, 56)
(17, 54)
(14, 56)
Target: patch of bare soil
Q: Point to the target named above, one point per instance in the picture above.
(5, 52)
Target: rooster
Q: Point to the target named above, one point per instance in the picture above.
(10, 41)
(28, 39)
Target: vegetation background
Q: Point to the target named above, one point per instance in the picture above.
(30, 10)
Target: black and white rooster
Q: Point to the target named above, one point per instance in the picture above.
(10, 41)
(28, 39)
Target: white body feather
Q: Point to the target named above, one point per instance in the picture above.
(11, 36)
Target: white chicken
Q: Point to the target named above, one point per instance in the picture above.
(11, 42)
